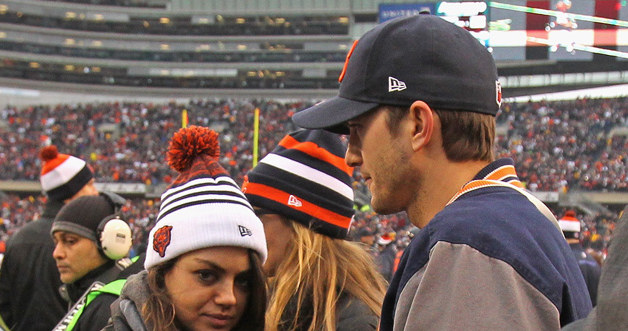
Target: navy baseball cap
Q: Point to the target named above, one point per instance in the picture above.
(421, 57)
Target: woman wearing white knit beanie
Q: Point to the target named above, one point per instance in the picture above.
(205, 253)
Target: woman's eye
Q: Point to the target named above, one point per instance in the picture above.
(243, 282)
(206, 275)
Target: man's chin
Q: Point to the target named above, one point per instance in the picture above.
(383, 208)
(67, 278)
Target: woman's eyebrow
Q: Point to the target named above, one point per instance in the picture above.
(210, 264)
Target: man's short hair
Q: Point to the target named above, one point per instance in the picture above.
(467, 136)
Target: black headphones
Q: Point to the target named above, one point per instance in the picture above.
(113, 233)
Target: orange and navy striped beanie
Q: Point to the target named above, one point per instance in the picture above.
(305, 179)
(62, 175)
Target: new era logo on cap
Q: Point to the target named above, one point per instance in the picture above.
(395, 84)
(244, 231)
(293, 201)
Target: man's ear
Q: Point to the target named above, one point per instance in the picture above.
(423, 117)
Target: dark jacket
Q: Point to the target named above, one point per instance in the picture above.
(354, 314)
(590, 269)
(29, 279)
(385, 261)
(611, 312)
(351, 314)
(96, 314)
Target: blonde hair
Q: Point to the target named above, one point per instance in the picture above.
(319, 269)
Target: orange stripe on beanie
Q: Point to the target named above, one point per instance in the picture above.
(51, 157)
(299, 204)
(316, 151)
(306, 180)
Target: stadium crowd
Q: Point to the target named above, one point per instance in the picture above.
(557, 146)
(566, 145)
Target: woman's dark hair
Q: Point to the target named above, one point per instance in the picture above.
(158, 311)
(254, 314)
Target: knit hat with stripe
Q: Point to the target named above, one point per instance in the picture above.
(203, 207)
(569, 224)
(62, 175)
(306, 179)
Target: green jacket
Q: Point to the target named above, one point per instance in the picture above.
(69, 321)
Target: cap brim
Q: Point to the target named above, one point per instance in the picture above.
(332, 114)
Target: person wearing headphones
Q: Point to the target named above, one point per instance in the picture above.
(91, 245)
(29, 281)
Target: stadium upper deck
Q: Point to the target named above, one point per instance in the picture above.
(225, 46)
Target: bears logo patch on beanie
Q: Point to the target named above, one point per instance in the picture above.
(62, 175)
(203, 207)
(306, 179)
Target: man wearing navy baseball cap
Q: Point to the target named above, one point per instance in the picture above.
(418, 98)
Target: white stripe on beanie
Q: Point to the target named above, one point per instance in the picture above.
(308, 173)
(199, 181)
(569, 225)
(62, 174)
(203, 187)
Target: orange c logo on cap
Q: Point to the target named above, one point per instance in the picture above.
(344, 68)
(498, 93)
(245, 184)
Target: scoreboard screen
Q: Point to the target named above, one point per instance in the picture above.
(534, 29)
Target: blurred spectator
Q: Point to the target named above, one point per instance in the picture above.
(386, 253)
(570, 225)
(610, 312)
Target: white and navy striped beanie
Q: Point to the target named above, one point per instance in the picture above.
(62, 175)
(203, 207)
(306, 179)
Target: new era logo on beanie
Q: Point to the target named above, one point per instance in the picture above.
(305, 179)
(420, 57)
(203, 207)
(293, 201)
(62, 175)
